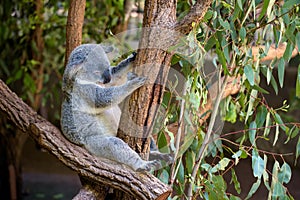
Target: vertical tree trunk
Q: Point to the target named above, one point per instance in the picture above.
(74, 26)
(153, 63)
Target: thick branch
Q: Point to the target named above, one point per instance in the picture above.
(142, 186)
(196, 13)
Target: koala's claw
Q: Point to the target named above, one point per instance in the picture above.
(132, 56)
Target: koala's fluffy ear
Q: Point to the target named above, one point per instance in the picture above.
(69, 76)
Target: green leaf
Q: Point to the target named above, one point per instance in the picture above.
(225, 23)
(253, 189)
(258, 164)
(235, 181)
(252, 132)
(285, 173)
(261, 116)
(190, 160)
(180, 173)
(236, 156)
(242, 33)
(298, 83)
(276, 134)
(281, 71)
(264, 9)
(298, 40)
(297, 150)
(240, 4)
(222, 59)
(278, 190)
(265, 173)
(210, 43)
(164, 176)
(290, 3)
(288, 51)
(231, 114)
(267, 124)
(221, 165)
(253, 96)
(249, 74)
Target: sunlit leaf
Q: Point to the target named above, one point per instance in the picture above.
(235, 182)
(290, 3)
(236, 156)
(298, 83)
(297, 150)
(258, 164)
(276, 134)
(253, 96)
(253, 189)
(265, 173)
(221, 165)
(278, 191)
(180, 173)
(267, 124)
(252, 132)
(264, 9)
(249, 74)
(285, 173)
(281, 66)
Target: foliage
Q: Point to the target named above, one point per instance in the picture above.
(20, 69)
(230, 28)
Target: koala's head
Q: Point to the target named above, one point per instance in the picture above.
(86, 62)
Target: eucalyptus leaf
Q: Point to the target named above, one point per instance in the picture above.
(298, 83)
(258, 164)
(281, 66)
(249, 74)
(252, 132)
(253, 189)
(285, 173)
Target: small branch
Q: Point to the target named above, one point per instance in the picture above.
(140, 185)
(196, 13)
(206, 138)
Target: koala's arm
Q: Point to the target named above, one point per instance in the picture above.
(101, 97)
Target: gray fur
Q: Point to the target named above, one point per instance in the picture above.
(90, 111)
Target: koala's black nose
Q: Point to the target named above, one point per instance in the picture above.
(106, 76)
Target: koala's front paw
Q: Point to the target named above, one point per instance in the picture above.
(131, 75)
(150, 165)
(138, 81)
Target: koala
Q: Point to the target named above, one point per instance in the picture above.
(90, 115)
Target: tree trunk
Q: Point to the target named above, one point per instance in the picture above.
(74, 26)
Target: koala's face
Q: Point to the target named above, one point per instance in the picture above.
(88, 62)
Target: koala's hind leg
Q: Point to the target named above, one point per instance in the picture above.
(115, 149)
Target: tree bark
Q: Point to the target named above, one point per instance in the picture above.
(161, 30)
(141, 186)
(74, 26)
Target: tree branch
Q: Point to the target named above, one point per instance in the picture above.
(196, 13)
(142, 186)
